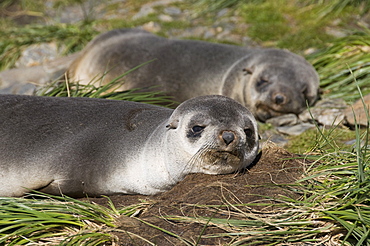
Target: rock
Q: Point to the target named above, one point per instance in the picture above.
(37, 54)
(152, 27)
(296, 129)
(287, 119)
(165, 18)
(25, 80)
(193, 32)
(144, 12)
(326, 112)
(273, 136)
(222, 12)
(209, 34)
(358, 110)
(73, 13)
(148, 8)
(172, 11)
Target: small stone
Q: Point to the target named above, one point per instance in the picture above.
(350, 142)
(37, 54)
(358, 110)
(148, 8)
(222, 12)
(152, 27)
(326, 112)
(335, 32)
(296, 129)
(273, 136)
(219, 29)
(209, 34)
(165, 18)
(283, 120)
(144, 12)
(172, 11)
(193, 32)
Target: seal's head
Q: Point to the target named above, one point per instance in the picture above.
(276, 82)
(219, 134)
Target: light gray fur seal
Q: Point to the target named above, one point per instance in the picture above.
(270, 82)
(92, 147)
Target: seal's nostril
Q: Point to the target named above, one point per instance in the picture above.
(228, 137)
(279, 99)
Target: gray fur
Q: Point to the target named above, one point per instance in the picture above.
(270, 82)
(81, 146)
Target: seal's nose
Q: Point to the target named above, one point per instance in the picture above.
(228, 137)
(279, 99)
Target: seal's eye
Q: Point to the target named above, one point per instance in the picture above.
(195, 132)
(248, 133)
(197, 129)
(262, 82)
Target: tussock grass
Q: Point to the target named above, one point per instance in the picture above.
(111, 90)
(336, 7)
(333, 6)
(14, 40)
(54, 220)
(333, 207)
(343, 60)
(294, 25)
(204, 6)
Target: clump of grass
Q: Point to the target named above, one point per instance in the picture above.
(333, 207)
(203, 6)
(94, 89)
(338, 6)
(14, 40)
(285, 24)
(295, 25)
(344, 59)
(334, 6)
(312, 140)
(266, 23)
(58, 220)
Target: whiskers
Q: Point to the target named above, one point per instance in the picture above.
(200, 158)
(212, 158)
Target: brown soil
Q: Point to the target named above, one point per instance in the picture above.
(275, 166)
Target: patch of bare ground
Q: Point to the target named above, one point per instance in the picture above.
(258, 184)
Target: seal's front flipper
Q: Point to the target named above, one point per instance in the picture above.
(68, 187)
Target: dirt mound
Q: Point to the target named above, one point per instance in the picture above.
(276, 166)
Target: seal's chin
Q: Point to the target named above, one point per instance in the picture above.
(264, 112)
(222, 162)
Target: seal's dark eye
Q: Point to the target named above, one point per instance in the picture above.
(197, 129)
(262, 82)
(195, 132)
(248, 133)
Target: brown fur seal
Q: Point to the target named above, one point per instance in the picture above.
(82, 146)
(270, 82)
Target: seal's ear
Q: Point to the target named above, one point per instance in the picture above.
(247, 71)
(172, 124)
(310, 94)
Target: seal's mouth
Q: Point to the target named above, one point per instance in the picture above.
(225, 158)
(222, 162)
(226, 154)
(265, 112)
